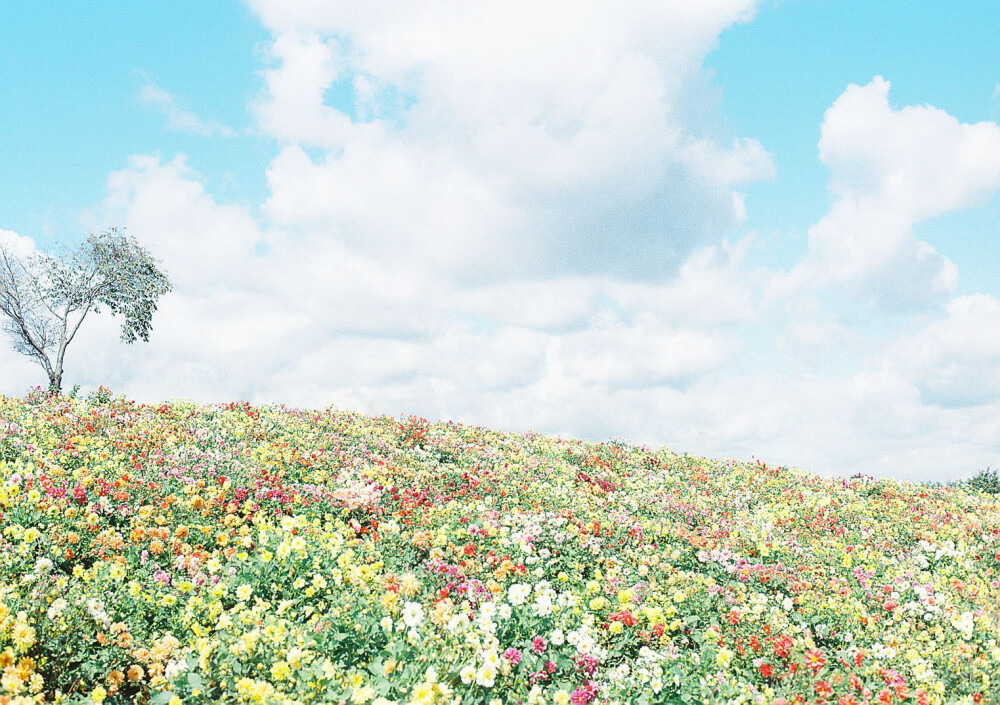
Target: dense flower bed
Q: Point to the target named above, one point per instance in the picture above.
(231, 553)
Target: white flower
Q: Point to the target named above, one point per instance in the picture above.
(175, 667)
(57, 607)
(386, 624)
(518, 593)
(486, 675)
(535, 696)
(557, 638)
(457, 622)
(543, 606)
(567, 599)
(413, 614)
(504, 611)
(468, 674)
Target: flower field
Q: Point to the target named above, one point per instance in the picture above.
(184, 553)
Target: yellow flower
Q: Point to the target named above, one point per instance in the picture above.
(280, 670)
(362, 694)
(98, 694)
(23, 635)
(423, 692)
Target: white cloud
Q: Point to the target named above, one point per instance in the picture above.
(955, 361)
(18, 245)
(509, 141)
(889, 170)
(177, 118)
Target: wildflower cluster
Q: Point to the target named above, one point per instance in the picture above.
(183, 553)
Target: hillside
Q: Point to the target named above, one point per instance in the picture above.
(232, 553)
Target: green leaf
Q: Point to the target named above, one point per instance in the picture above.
(196, 681)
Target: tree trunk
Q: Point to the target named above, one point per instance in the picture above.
(55, 382)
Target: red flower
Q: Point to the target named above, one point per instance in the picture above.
(885, 696)
(782, 645)
(815, 659)
(823, 689)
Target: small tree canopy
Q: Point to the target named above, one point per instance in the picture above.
(46, 297)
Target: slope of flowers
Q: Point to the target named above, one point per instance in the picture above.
(230, 553)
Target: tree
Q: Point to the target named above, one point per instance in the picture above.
(47, 297)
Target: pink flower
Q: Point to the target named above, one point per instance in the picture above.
(538, 644)
(584, 694)
(513, 656)
(587, 664)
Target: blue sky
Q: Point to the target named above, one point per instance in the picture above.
(733, 228)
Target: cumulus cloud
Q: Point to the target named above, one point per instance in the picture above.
(889, 170)
(955, 361)
(512, 140)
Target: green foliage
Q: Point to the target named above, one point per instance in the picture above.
(986, 481)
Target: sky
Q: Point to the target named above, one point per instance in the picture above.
(755, 230)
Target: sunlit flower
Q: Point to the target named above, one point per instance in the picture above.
(413, 614)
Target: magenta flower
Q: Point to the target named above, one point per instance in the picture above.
(584, 694)
(538, 645)
(513, 656)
